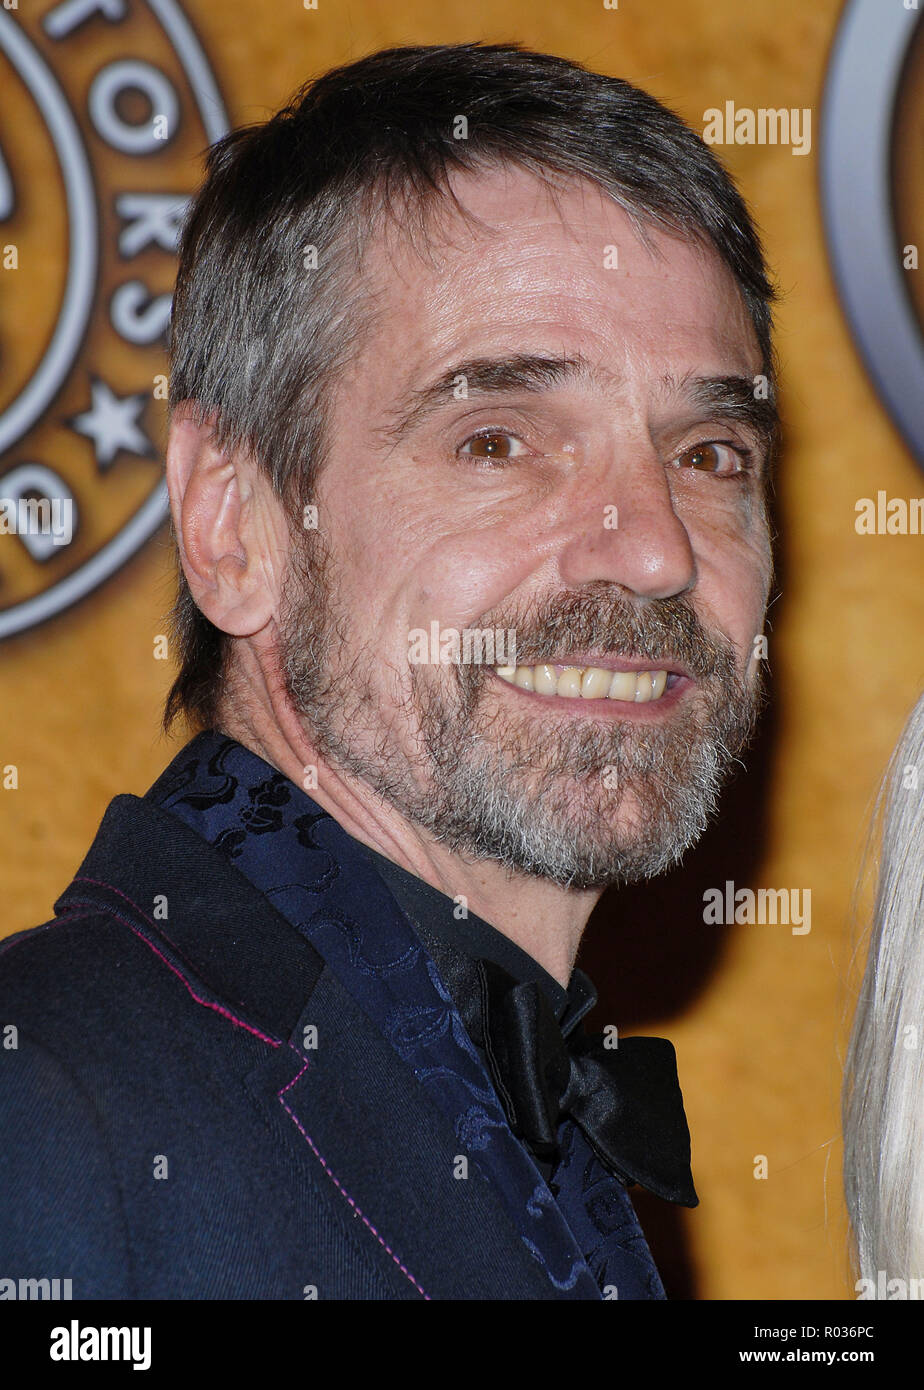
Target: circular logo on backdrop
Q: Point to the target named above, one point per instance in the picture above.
(105, 109)
(872, 185)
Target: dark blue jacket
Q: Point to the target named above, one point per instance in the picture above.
(195, 1106)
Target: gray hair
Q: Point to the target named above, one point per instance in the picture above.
(257, 339)
(883, 1101)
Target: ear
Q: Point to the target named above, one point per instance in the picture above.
(229, 525)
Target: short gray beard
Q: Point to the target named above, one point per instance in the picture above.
(485, 786)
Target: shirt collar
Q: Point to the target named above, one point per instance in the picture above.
(447, 934)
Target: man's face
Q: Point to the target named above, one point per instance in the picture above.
(525, 442)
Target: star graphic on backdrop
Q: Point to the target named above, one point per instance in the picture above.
(112, 424)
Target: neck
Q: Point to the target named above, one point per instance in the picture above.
(544, 919)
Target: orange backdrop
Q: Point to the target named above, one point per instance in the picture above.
(757, 1013)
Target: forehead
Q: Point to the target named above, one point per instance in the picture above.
(525, 267)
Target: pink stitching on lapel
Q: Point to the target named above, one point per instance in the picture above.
(336, 1181)
(206, 1003)
(7, 945)
(273, 1043)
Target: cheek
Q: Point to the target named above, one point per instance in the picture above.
(463, 576)
(733, 581)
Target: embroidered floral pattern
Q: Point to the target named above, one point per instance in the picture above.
(586, 1235)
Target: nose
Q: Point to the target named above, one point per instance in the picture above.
(626, 531)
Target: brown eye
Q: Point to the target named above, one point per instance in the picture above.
(711, 458)
(496, 445)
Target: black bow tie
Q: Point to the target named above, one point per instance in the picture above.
(626, 1099)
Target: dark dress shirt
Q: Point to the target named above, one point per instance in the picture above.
(448, 936)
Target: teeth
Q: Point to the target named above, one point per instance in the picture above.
(595, 684)
(545, 680)
(643, 689)
(587, 682)
(569, 682)
(623, 686)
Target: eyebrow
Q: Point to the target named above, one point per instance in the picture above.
(731, 396)
(484, 376)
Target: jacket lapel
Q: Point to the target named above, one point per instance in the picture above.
(355, 924)
(362, 1082)
(436, 1220)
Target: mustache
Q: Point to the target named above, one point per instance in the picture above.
(657, 630)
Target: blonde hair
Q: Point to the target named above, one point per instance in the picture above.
(883, 1098)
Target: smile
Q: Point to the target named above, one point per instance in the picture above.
(590, 682)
